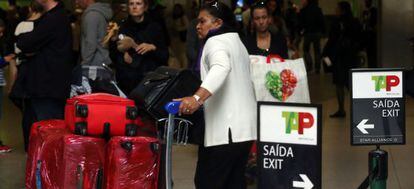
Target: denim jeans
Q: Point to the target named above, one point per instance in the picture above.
(39, 109)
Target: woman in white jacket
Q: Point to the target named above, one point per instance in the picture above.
(228, 98)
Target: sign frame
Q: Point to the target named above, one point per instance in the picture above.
(318, 108)
(358, 70)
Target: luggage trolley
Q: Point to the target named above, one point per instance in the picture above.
(173, 134)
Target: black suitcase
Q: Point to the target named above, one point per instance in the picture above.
(162, 86)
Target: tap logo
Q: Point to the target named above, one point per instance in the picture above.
(385, 82)
(297, 121)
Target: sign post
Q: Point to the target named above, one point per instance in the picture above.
(378, 117)
(289, 145)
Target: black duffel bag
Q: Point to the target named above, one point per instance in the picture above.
(162, 86)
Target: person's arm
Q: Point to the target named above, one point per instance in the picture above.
(220, 67)
(90, 41)
(12, 75)
(156, 48)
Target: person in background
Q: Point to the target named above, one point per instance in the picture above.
(142, 49)
(5, 58)
(180, 21)
(93, 30)
(262, 41)
(341, 51)
(18, 67)
(277, 22)
(369, 28)
(312, 27)
(292, 21)
(156, 11)
(75, 23)
(228, 98)
(47, 82)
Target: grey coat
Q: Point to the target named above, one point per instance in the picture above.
(94, 23)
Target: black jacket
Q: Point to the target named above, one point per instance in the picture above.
(148, 31)
(343, 46)
(311, 20)
(278, 45)
(48, 72)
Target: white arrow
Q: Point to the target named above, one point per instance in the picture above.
(362, 126)
(306, 184)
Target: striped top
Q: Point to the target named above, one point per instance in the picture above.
(2, 79)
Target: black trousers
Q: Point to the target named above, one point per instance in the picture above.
(38, 109)
(222, 167)
(315, 40)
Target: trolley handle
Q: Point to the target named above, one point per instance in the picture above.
(173, 107)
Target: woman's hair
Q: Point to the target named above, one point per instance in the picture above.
(345, 8)
(259, 5)
(145, 2)
(221, 11)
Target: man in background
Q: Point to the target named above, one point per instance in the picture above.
(47, 81)
(94, 23)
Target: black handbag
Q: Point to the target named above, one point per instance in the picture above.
(162, 86)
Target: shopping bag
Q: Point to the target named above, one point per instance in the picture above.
(279, 80)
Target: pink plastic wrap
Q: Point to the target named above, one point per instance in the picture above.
(82, 162)
(44, 150)
(132, 162)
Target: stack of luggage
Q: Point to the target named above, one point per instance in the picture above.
(96, 146)
(106, 141)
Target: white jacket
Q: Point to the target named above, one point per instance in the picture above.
(225, 73)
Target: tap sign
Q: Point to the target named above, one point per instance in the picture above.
(289, 145)
(378, 107)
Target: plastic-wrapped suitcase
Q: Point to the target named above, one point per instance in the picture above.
(82, 162)
(132, 162)
(102, 114)
(43, 153)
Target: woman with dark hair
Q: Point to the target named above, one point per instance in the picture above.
(142, 49)
(228, 98)
(342, 50)
(262, 41)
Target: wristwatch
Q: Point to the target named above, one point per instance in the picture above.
(197, 98)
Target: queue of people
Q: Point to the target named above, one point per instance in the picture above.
(217, 51)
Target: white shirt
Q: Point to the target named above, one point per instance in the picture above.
(225, 72)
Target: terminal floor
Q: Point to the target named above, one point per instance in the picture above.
(343, 166)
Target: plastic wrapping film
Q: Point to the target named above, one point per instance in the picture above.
(44, 154)
(132, 162)
(82, 162)
(58, 159)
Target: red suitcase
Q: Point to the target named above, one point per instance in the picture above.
(132, 162)
(43, 154)
(82, 162)
(102, 114)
